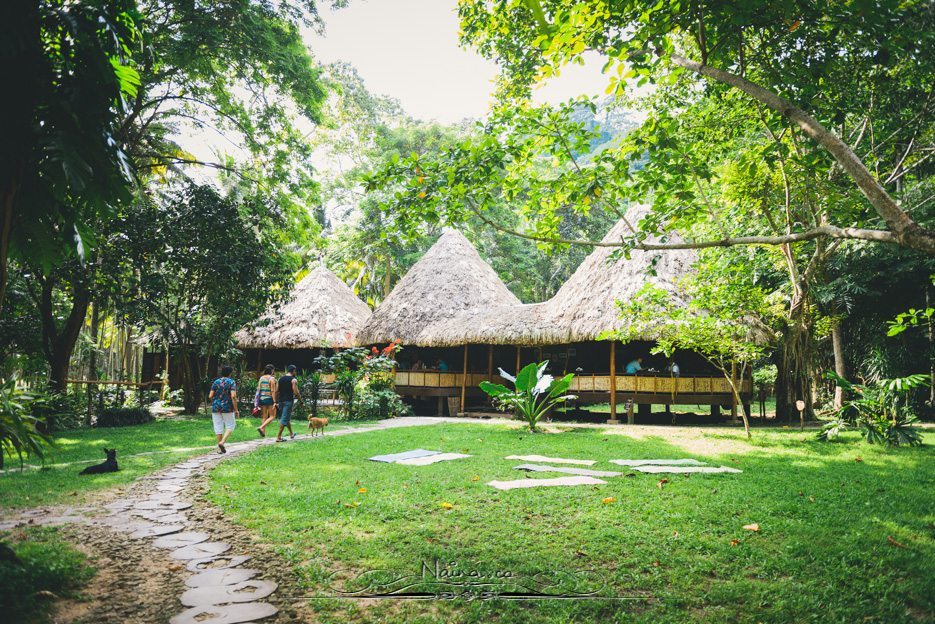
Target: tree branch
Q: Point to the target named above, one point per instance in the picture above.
(823, 231)
(905, 231)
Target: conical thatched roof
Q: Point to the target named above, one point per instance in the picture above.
(586, 305)
(450, 279)
(582, 309)
(322, 311)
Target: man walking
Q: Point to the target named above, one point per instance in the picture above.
(287, 396)
(223, 399)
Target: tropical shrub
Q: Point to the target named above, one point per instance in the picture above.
(310, 390)
(60, 411)
(380, 402)
(534, 393)
(123, 416)
(19, 431)
(357, 370)
(246, 392)
(881, 411)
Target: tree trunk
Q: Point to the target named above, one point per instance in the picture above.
(92, 359)
(840, 366)
(190, 398)
(793, 381)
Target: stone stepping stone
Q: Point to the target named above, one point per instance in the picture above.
(157, 505)
(558, 482)
(685, 469)
(173, 518)
(226, 576)
(169, 488)
(8, 525)
(395, 457)
(216, 563)
(166, 497)
(247, 591)
(178, 482)
(152, 514)
(567, 470)
(124, 523)
(553, 460)
(200, 551)
(119, 505)
(657, 462)
(227, 614)
(156, 529)
(181, 539)
(431, 459)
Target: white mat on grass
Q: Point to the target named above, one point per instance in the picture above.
(431, 459)
(396, 457)
(566, 470)
(684, 469)
(657, 462)
(553, 460)
(531, 483)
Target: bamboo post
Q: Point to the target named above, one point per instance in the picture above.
(464, 379)
(613, 384)
(518, 350)
(489, 362)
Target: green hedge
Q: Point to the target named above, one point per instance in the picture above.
(123, 416)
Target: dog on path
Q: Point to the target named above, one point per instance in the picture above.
(317, 424)
(110, 465)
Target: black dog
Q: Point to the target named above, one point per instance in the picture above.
(108, 466)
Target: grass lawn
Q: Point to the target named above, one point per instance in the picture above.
(840, 540)
(164, 443)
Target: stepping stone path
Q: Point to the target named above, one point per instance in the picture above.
(220, 591)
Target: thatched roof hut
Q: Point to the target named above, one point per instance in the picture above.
(582, 309)
(450, 279)
(322, 311)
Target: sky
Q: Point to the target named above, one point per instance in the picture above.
(409, 50)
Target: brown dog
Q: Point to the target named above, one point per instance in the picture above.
(317, 424)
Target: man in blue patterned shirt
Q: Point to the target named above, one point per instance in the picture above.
(223, 399)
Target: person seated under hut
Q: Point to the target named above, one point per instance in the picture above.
(634, 366)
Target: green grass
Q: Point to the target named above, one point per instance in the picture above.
(47, 564)
(165, 442)
(822, 554)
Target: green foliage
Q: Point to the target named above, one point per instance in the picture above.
(534, 392)
(72, 69)
(377, 403)
(208, 265)
(363, 374)
(880, 410)
(61, 411)
(46, 564)
(123, 417)
(20, 435)
(764, 376)
(911, 319)
(310, 389)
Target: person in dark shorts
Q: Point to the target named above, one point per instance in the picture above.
(287, 395)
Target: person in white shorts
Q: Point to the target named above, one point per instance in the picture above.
(223, 399)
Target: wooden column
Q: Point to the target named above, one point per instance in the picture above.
(518, 350)
(489, 362)
(464, 374)
(613, 384)
(733, 395)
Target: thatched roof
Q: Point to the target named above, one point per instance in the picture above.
(450, 279)
(322, 311)
(582, 309)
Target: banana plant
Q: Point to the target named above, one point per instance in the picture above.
(534, 392)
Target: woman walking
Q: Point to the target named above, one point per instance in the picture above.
(267, 389)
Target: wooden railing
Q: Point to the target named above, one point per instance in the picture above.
(586, 383)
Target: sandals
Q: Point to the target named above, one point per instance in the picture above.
(221, 449)
(261, 432)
